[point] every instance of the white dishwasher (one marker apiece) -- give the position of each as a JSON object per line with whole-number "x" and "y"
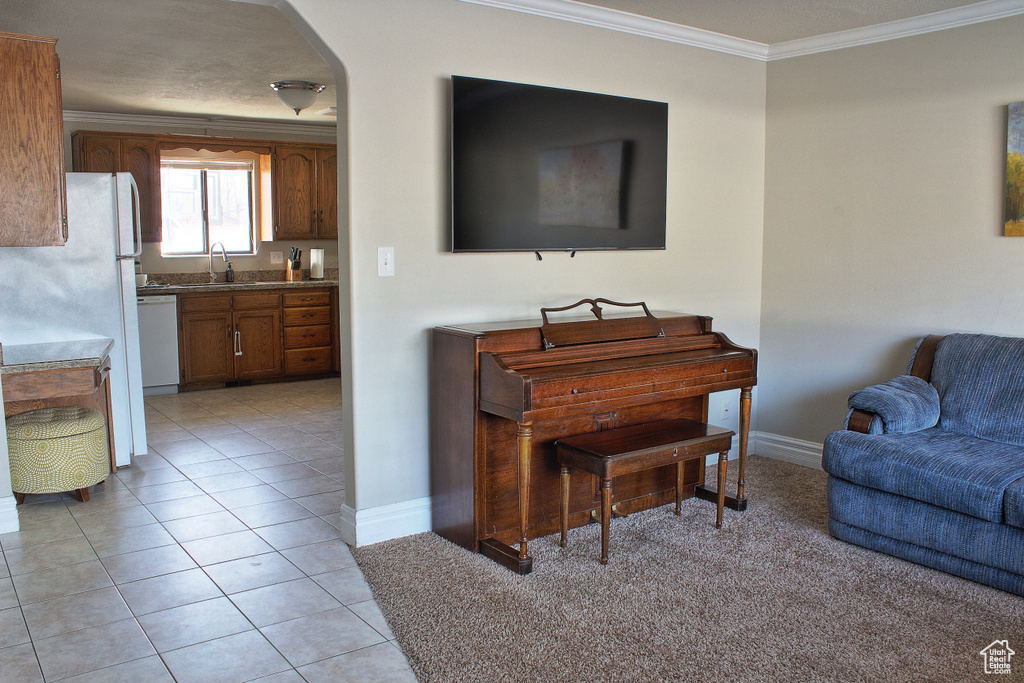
{"x": 158, "y": 339}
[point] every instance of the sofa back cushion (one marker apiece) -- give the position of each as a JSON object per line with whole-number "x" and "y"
{"x": 980, "y": 381}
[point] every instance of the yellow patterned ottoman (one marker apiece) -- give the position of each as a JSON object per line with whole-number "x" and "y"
{"x": 57, "y": 449}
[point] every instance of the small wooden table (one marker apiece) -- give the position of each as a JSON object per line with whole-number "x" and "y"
{"x": 613, "y": 452}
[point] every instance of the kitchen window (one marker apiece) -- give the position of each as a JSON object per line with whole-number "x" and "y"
{"x": 206, "y": 199}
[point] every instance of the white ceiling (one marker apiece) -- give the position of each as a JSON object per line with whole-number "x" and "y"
{"x": 215, "y": 58}
{"x": 779, "y": 21}
{"x": 206, "y": 58}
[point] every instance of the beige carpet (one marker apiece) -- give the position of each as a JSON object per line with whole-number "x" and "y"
{"x": 768, "y": 597}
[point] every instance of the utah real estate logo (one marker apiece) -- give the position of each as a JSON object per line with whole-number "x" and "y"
{"x": 997, "y": 657}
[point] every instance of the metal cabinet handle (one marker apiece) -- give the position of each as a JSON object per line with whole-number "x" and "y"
{"x": 238, "y": 343}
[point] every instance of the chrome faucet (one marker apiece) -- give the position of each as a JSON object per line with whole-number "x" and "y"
{"x": 224, "y": 255}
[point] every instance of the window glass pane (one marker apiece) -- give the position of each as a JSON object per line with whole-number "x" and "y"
{"x": 181, "y": 196}
{"x": 229, "y": 206}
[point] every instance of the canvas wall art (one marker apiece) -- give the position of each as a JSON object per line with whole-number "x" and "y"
{"x": 1015, "y": 171}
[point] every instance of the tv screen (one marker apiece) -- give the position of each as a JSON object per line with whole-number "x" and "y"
{"x": 545, "y": 169}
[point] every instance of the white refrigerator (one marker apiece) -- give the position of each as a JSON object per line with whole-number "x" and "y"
{"x": 86, "y": 289}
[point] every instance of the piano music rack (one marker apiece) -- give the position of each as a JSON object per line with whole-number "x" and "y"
{"x": 600, "y": 330}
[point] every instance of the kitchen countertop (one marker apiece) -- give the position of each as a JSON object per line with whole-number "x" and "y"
{"x": 60, "y": 354}
{"x": 153, "y": 290}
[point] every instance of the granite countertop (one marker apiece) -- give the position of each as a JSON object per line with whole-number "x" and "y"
{"x": 152, "y": 290}
{"x": 62, "y": 354}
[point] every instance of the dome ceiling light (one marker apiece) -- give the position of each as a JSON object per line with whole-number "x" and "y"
{"x": 297, "y": 95}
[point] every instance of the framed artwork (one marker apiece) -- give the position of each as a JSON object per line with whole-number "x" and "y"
{"x": 1014, "y": 226}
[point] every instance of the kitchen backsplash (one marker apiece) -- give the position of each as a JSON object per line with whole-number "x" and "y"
{"x": 276, "y": 275}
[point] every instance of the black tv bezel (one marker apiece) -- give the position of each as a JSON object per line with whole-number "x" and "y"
{"x": 560, "y": 249}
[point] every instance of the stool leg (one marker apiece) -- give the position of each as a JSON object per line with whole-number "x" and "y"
{"x": 723, "y": 459}
{"x": 82, "y": 495}
{"x": 679, "y": 488}
{"x": 565, "y": 505}
{"x": 19, "y": 498}
{"x": 606, "y": 515}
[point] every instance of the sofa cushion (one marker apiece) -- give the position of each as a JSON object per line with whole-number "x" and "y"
{"x": 1013, "y": 504}
{"x": 980, "y": 381}
{"x": 904, "y": 404}
{"x": 946, "y": 469}
{"x": 911, "y": 521}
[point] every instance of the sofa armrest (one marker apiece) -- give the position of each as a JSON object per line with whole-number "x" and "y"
{"x": 860, "y": 421}
{"x": 903, "y": 404}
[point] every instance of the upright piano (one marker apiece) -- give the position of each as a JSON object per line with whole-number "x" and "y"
{"x": 501, "y": 394}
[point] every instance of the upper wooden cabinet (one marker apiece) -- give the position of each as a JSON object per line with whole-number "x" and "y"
{"x": 305, "y": 176}
{"x": 305, "y": 192}
{"x": 121, "y": 153}
{"x": 33, "y": 212}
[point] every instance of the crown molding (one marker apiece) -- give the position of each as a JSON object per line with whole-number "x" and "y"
{"x": 616, "y": 20}
{"x": 902, "y": 28}
{"x": 191, "y": 123}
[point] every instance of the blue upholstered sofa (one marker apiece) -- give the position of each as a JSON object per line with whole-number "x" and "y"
{"x": 930, "y": 467}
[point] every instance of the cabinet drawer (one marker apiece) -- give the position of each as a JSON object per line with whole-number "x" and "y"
{"x": 307, "y": 361}
{"x": 319, "y": 315}
{"x": 196, "y": 304}
{"x": 245, "y": 302}
{"x": 306, "y": 336}
{"x": 307, "y": 298}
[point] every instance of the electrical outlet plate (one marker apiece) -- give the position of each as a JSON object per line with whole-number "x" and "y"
{"x": 276, "y": 257}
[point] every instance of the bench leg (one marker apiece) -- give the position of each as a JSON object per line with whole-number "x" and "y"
{"x": 19, "y": 498}
{"x": 723, "y": 460}
{"x": 82, "y": 495}
{"x": 565, "y": 505}
{"x": 679, "y": 488}
{"x": 606, "y": 515}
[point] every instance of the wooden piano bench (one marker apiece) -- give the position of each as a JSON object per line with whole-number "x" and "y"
{"x": 612, "y": 452}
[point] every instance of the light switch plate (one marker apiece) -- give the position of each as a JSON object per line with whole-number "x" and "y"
{"x": 276, "y": 257}
{"x": 385, "y": 261}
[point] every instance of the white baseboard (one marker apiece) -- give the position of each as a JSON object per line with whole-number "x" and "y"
{"x": 9, "y": 515}
{"x": 373, "y": 525}
{"x": 797, "y": 451}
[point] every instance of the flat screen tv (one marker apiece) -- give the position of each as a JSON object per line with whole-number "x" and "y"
{"x": 545, "y": 169}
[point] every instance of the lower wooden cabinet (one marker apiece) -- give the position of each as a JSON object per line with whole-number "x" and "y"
{"x": 265, "y": 336}
{"x": 308, "y": 333}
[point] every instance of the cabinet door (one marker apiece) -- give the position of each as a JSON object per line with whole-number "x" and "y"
{"x": 207, "y": 350}
{"x": 327, "y": 193}
{"x": 257, "y": 344}
{"x": 33, "y": 212}
{"x": 97, "y": 153}
{"x": 294, "y": 187}
{"x": 141, "y": 158}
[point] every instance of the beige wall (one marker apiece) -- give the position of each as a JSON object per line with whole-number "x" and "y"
{"x": 883, "y": 212}
{"x": 398, "y": 56}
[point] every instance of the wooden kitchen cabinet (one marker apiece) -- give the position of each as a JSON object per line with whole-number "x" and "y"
{"x": 139, "y": 155}
{"x": 224, "y": 337}
{"x": 34, "y": 210}
{"x": 308, "y": 332}
{"x": 305, "y": 192}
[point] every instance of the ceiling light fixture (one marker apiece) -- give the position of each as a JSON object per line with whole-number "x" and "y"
{"x": 297, "y": 95}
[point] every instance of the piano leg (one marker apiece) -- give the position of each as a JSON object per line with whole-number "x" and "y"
{"x": 564, "y": 521}
{"x": 739, "y": 501}
{"x": 525, "y": 433}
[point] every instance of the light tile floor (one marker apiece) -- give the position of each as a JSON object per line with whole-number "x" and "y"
{"x": 213, "y": 558}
